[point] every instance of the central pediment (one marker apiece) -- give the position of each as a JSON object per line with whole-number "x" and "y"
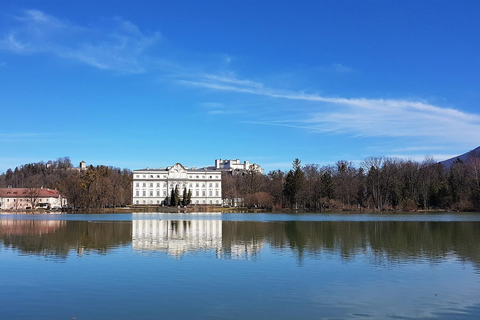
{"x": 177, "y": 171}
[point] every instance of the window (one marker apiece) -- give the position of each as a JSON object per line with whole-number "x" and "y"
{"x": 210, "y": 184}
{"x": 136, "y": 202}
{"x": 143, "y": 201}
{"x": 137, "y": 185}
{"x": 144, "y": 193}
{"x": 216, "y": 193}
{"x": 151, "y": 176}
{"x": 137, "y": 193}
{"x": 196, "y": 193}
{"x": 151, "y": 193}
{"x": 158, "y": 193}
{"x": 144, "y": 184}
{"x": 158, "y": 184}
{"x": 203, "y": 193}
{"x": 196, "y": 185}
{"x": 210, "y": 193}
{"x": 158, "y": 176}
{"x": 144, "y": 176}
{"x": 164, "y": 193}
{"x": 151, "y": 185}
{"x": 216, "y": 185}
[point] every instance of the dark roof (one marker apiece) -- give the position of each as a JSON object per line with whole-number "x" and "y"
{"x": 25, "y": 192}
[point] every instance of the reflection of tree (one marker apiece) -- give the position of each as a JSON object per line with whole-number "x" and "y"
{"x": 381, "y": 241}
{"x": 80, "y": 236}
{"x": 389, "y": 241}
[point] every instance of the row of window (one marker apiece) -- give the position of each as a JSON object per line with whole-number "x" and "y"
{"x": 158, "y": 176}
{"x": 21, "y": 200}
{"x": 182, "y": 185}
{"x": 164, "y": 193}
{"x": 196, "y": 202}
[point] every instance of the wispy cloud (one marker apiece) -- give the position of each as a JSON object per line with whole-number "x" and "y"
{"x": 15, "y": 137}
{"x": 361, "y": 117}
{"x": 337, "y": 68}
{"x": 116, "y": 44}
{"x": 119, "y": 45}
{"x": 217, "y": 108}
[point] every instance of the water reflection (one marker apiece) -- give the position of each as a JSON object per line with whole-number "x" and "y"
{"x": 21, "y": 227}
{"x": 381, "y": 242}
{"x": 300, "y": 269}
{"x": 58, "y": 238}
{"x": 177, "y": 237}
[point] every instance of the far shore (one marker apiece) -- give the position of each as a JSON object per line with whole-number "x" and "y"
{"x": 212, "y": 209}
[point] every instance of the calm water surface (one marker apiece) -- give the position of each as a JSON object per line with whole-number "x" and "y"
{"x": 240, "y": 266}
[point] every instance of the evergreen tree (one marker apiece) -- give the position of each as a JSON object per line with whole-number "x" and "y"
{"x": 327, "y": 190}
{"x": 189, "y": 198}
{"x": 294, "y": 182}
{"x": 185, "y": 197}
{"x": 172, "y": 198}
{"x": 177, "y": 196}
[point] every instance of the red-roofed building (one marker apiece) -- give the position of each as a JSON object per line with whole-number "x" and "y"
{"x": 31, "y": 198}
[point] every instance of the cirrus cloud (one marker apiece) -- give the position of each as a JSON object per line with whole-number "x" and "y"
{"x": 117, "y": 45}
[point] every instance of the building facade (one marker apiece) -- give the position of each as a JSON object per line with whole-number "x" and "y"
{"x": 236, "y": 166}
{"x": 154, "y": 186}
{"x": 31, "y": 198}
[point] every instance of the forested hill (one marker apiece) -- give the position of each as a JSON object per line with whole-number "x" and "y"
{"x": 98, "y": 187}
{"x": 379, "y": 183}
{"x": 475, "y": 153}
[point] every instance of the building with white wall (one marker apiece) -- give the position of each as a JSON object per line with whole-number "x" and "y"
{"x": 154, "y": 186}
{"x": 236, "y": 165}
{"x": 31, "y": 198}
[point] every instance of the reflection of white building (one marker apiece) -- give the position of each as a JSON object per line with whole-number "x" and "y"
{"x": 154, "y": 186}
{"x": 246, "y": 250}
{"x": 177, "y": 237}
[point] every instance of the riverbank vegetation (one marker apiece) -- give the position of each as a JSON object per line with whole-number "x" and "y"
{"x": 377, "y": 184}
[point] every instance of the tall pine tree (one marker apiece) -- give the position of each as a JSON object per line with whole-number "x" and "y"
{"x": 294, "y": 183}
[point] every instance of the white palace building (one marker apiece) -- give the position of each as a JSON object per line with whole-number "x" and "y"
{"x": 154, "y": 186}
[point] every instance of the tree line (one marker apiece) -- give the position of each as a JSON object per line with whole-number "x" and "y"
{"x": 378, "y": 184}
{"x": 96, "y": 187}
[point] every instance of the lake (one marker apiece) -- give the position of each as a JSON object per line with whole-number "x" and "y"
{"x": 240, "y": 266}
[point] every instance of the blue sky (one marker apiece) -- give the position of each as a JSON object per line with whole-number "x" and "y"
{"x": 152, "y": 83}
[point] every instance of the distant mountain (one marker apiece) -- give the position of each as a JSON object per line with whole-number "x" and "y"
{"x": 473, "y": 153}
